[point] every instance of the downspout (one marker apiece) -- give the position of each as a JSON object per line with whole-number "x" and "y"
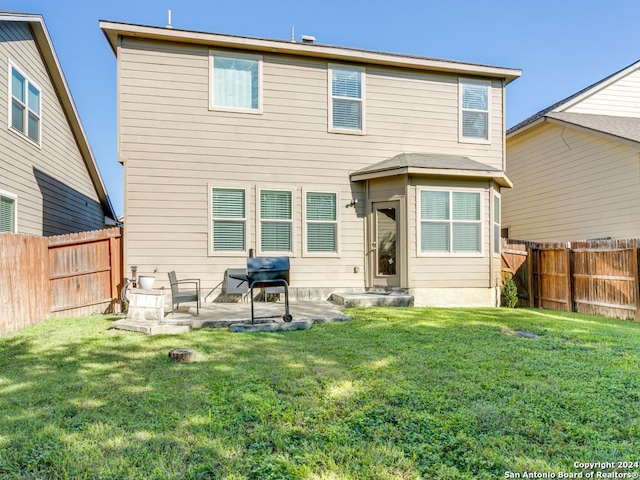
{"x": 491, "y": 235}
{"x": 504, "y": 127}
{"x": 125, "y": 165}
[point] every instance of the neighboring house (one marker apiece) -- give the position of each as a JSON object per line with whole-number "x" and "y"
{"x": 49, "y": 181}
{"x": 368, "y": 169}
{"x": 575, "y": 166}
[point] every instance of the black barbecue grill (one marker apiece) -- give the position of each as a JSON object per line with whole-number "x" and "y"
{"x": 268, "y": 272}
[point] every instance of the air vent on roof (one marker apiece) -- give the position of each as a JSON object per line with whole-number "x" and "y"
{"x": 308, "y": 39}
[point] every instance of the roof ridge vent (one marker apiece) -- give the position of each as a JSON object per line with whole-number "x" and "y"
{"x": 308, "y": 39}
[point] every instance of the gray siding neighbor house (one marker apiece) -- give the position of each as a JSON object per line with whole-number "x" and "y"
{"x": 575, "y": 166}
{"x": 369, "y": 170}
{"x": 49, "y": 181}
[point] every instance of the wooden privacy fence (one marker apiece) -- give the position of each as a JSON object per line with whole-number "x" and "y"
{"x": 68, "y": 275}
{"x": 598, "y": 277}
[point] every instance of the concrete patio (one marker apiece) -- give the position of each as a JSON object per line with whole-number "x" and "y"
{"x": 220, "y": 315}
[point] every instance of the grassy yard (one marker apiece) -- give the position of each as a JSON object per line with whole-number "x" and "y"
{"x": 396, "y": 393}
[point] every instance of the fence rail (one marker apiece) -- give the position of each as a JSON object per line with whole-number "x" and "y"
{"x": 597, "y": 277}
{"x": 67, "y": 275}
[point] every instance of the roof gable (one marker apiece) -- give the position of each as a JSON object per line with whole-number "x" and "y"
{"x": 50, "y": 59}
{"x": 573, "y": 100}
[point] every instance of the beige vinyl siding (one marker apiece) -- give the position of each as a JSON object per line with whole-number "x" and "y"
{"x": 450, "y": 271}
{"x": 621, "y": 98}
{"x": 54, "y": 189}
{"x": 570, "y": 185}
{"x": 173, "y": 146}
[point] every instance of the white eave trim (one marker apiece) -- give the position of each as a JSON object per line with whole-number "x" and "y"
{"x": 113, "y": 30}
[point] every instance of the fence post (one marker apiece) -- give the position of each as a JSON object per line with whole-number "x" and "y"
{"x": 569, "y": 279}
{"x": 539, "y": 276}
{"x": 532, "y": 300}
{"x": 112, "y": 274}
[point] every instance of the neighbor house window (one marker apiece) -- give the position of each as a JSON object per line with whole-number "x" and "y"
{"x": 228, "y": 220}
{"x": 496, "y": 225}
{"x": 321, "y": 222}
{"x": 236, "y": 82}
{"x": 346, "y": 99}
{"x": 25, "y": 108}
{"x": 8, "y": 207}
{"x": 276, "y": 221}
{"x": 474, "y": 110}
{"x": 450, "y": 222}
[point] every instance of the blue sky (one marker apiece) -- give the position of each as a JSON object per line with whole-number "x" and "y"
{"x": 562, "y": 46}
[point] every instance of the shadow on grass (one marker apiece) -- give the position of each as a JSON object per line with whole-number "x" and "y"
{"x": 393, "y": 394}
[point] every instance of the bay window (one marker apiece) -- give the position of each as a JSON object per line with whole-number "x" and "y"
{"x": 450, "y": 222}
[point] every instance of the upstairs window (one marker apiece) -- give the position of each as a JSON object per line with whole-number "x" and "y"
{"x": 276, "y": 221}
{"x": 321, "y": 223}
{"x": 7, "y": 212}
{"x": 24, "y": 111}
{"x": 228, "y": 220}
{"x": 450, "y": 222}
{"x": 346, "y": 102}
{"x": 474, "y": 111}
{"x": 235, "y": 82}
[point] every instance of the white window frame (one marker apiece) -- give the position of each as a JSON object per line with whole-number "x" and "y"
{"x": 498, "y": 224}
{"x": 363, "y": 99}
{"x": 336, "y": 222}
{"x": 210, "y": 250}
{"x": 243, "y": 56}
{"x": 14, "y": 197}
{"x": 28, "y": 81}
{"x": 451, "y": 253}
{"x": 259, "y": 221}
{"x": 461, "y": 137}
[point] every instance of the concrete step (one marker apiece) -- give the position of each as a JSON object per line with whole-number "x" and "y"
{"x": 373, "y": 299}
{"x": 149, "y": 327}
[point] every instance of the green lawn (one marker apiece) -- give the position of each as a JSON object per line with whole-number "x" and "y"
{"x": 395, "y": 393}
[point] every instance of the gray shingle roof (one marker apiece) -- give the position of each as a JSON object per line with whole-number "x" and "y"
{"x": 627, "y": 128}
{"x": 427, "y": 160}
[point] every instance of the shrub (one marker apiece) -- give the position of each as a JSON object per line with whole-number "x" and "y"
{"x": 509, "y": 290}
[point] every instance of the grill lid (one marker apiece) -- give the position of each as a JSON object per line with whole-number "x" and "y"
{"x": 268, "y": 268}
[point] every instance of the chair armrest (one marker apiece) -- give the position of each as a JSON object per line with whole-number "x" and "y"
{"x": 183, "y": 282}
{"x": 188, "y": 280}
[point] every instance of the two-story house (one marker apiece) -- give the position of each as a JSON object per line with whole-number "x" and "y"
{"x": 49, "y": 180}
{"x": 368, "y": 169}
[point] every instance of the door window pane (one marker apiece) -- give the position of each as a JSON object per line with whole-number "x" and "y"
{"x": 386, "y": 240}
